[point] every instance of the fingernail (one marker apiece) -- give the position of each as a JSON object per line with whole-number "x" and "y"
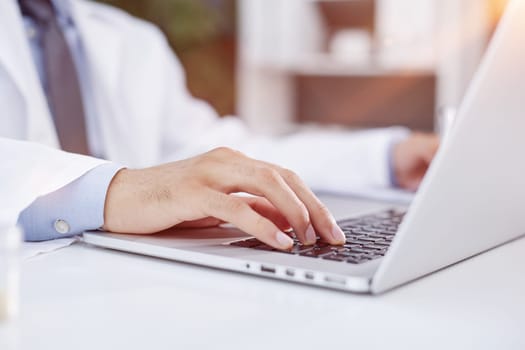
{"x": 337, "y": 233}
{"x": 310, "y": 235}
{"x": 283, "y": 240}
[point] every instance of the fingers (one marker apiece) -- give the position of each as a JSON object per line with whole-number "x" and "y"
{"x": 286, "y": 192}
{"x": 236, "y": 211}
{"x": 266, "y": 209}
{"x": 321, "y": 218}
{"x": 260, "y": 205}
{"x": 264, "y": 181}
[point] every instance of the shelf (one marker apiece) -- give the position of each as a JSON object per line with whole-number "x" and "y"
{"x": 327, "y": 65}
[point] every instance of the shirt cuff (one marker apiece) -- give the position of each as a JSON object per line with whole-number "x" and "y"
{"x": 391, "y": 162}
{"x": 391, "y": 166}
{"x": 76, "y": 207}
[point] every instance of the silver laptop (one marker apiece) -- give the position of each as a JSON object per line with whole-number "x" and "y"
{"x": 471, "y": 200}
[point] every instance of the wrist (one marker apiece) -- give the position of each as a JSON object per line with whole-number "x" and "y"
{"x": 116, "y": 200}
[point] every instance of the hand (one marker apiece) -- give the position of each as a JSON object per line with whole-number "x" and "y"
{"x": 412, "y": 158}
{"x": 200, "y": 191}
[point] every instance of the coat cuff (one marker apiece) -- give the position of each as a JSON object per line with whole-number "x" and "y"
{"x": 381, "y": 144}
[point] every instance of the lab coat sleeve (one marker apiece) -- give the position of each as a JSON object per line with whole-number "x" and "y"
{"x": 30, "y": 170}
{"x": 328, "y": 160}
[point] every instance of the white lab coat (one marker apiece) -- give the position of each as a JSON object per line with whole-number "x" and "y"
{"x": 147, "y": 115}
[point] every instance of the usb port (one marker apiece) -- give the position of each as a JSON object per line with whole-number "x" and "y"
{"x": 309, "y": 275}
{"x": 267, "y": 269}
{"x": 335, "y": 280}
{"x": 290, "y": 273}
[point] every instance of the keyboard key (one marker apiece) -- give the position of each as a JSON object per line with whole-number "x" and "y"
{"x": 351, "y": 255}
{"x": 377, "y": 246}
{"x": 339, "y": 248}
{"x": 310, "y": 254}
{"x": 374, "y": 256}
{"x": 249, "y": 243}
{"x": 360, "y": 231}
{"x": 377, "y": 235}
{"x": 301, "y": 249}
{"x": 264, "y": 247}
{"x": 370, "y": 229}
{"x": 360, "y": 250}
{"x": 352, "y": 245}
{"x": 323, "y": 251}
{"x": 369, "y": 239}
{"x": 335, "y": 257}
{"x": 359, "y": 241}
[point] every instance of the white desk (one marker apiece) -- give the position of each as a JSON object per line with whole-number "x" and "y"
{"x": 83, "y": 297}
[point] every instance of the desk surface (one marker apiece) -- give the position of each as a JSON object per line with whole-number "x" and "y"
{"x": 84, "y": 297}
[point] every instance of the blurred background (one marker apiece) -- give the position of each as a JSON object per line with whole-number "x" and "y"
{"x": 358, "y": 63}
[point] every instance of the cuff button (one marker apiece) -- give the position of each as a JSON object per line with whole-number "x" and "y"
{"x": 62, "y": 227}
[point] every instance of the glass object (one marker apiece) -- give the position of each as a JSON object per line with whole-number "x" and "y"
{"x": 9, "y": 272}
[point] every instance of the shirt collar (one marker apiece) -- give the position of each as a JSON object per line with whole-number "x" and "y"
{"x": 63, "y": 10}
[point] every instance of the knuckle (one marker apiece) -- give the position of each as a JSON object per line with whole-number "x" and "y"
{"x": 217, "y": 155}
{"x": 321, "y": 208}
{"x": 224, "y": 151}
{"x": 220, "y": 152}
{"x": 269, "y": 175}
{"x": 291, "y": 176}
{"x": 234, "y": 205}
{"x": 301, "y": 215}
{"x": 245, "y": 170}
{"x": 322, "y": 211}
{"x": 205, "y": 158}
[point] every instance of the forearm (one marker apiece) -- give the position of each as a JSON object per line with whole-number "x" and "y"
{"x": 328, "y": 160}
{"x": 72, "y": 209}
{"x": 336, "y": 160}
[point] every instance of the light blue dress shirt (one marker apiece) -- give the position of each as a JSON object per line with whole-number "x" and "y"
{"x": 78, "y": 206}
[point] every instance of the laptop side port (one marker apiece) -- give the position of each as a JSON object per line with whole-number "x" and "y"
{"x": 335, "y": 280}
{"x": 290, "y": 272}
{"x": 267, "y": 269}
{"x": 309, "y": 275}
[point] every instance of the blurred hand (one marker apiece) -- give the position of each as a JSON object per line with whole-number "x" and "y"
{"x": 197, "y": 192}
{"x": 412, "y": 158}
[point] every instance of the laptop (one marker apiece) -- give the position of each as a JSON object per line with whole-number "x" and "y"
{"x": 471, "y": 199}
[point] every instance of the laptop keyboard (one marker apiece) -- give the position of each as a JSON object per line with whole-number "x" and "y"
{"x": 367, "y": 238}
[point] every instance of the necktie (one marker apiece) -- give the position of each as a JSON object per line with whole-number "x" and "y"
{"x": 64, "y": 95}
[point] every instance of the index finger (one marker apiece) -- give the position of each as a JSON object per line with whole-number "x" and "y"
{"x": 321, "y": 218}
{"x": 239, "y": 213}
